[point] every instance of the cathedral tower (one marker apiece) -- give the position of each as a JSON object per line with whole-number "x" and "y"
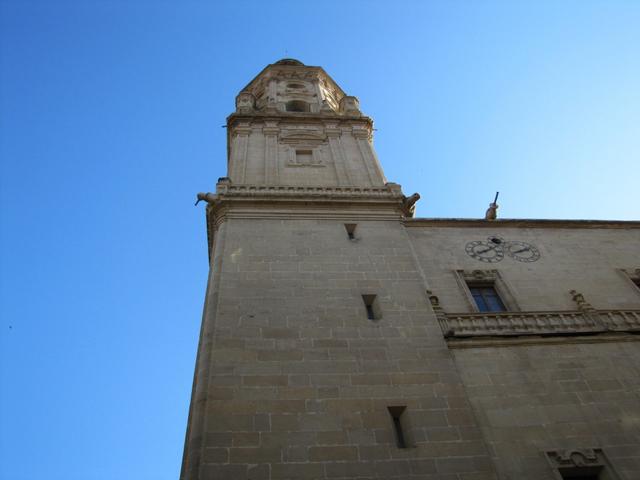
{"x": 320, "y": 355}
{"x": 344, "y": 339}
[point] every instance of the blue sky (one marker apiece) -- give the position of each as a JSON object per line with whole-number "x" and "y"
{"x": 110, "y": 122}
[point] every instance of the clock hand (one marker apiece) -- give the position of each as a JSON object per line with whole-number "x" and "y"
{"x": 523, "y": 250}
{"x": 485, "y": 250}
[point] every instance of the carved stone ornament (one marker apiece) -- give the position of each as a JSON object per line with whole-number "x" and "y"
{"x": 410, "y": 202}
{"x": 245, "y": 102}
{"x": 309, "y": 137}
{"x": 574, "y": 458}
{"x": 435, "y": 301}
{"x": 480, "y": 275}
{"x": 581, "y": 462}
{"x": 349, "y": 105}
{"x": 580, "y": 301}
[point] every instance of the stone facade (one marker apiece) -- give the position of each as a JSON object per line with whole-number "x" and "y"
{"x": 341, "y": 339}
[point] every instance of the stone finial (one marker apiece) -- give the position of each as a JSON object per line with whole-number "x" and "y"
{"x": 350, "y": 105}
{"x": 582, "y": 304}
{"x": 492, "y": 211}
{"x": 435, "y": 301}
{"x": 245, "y": 102}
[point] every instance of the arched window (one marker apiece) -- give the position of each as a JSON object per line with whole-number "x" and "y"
{"x": 297, "y": 106}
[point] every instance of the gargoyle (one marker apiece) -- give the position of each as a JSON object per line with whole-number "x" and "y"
{"x": 207, "y": 197}
{"x": 409, "y": 202}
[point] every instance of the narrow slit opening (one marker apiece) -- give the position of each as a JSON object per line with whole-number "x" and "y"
{"x": 370, "y": 314}
{"x": 351, "y": 230}
{"x": 371, "y": 306}
{"x": 396, "y": 416}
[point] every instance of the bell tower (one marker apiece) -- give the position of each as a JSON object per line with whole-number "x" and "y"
{"x": 320, "y": 355}
{"x": 295, "y": 126}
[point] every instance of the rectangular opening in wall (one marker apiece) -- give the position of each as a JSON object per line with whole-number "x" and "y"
{"x": 581, "y": 464}
{"x": 304, "y": 157}
{"x": 351, "y": 230}
{"x": 371, "y": 305}
{"x": 587, "y": 473}
{"x": 487, "y": 298}
{"x": 398, "y": 429}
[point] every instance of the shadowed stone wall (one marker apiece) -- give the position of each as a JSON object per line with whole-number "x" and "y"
{"x": 301, "y": 380}
{"x": 532, "y": 399}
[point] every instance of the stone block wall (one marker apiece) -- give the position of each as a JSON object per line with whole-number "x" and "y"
{"x": 300, "y": 383}
{"x": 531, "y": 399}
{"x": 547, "y": 393}
{"x": 583, "y": 259}
{"x": 301, "y": 380}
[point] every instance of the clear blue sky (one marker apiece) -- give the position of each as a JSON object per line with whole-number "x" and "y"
{"x": 110, "y": 123}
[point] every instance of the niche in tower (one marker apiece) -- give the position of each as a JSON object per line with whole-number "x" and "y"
{"x": 297, "y": 106}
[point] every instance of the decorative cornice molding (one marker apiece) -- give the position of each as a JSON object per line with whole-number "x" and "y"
{"x": 385, "y": 203}
{"x": 545, "y": 323}
{"x": 286, "y": 117}
{"x": 492, "y": 342}
{"x": 580, "y": 463}
{"x": 519, "y": 223}
{"x": 307, "y": 191}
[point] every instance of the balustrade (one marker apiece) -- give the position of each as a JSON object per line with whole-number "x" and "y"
{"x": 538, "y": 323}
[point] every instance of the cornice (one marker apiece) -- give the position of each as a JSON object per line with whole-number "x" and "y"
{"x": 292, "y": 211}
{"x": 384, "y": 203}
{"x": 520, "y": 223}
{"x": 390, "y": 190}
{"x": 260, "y": 197}
{"x": 241, "y": 123}
{"x": 492, "y": 342}
{"x": 294, "y": 118}
{"x": 344, "y": 208}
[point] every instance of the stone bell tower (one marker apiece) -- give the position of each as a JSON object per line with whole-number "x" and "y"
{"x": 294, "y": 126}
{"x": 320, "y": 355}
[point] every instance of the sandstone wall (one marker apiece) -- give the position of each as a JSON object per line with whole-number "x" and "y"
{"x": 301, "y": 380}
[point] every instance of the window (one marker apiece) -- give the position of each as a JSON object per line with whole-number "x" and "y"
{"x": 486, "y": 291}
{"x": 487, "y": 299}
{"x": 304, "y": 157}
{"x": 398, "y": 430}
{"x": 351, "y": 230}
{"x": 297, "y": 106}
{"x": 372, "y": 307}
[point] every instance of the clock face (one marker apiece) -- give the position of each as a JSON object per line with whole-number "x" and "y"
{"x": 494, "y": 249}
{"x": 523, "y": 252}
{"x": 488, "y": 252}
